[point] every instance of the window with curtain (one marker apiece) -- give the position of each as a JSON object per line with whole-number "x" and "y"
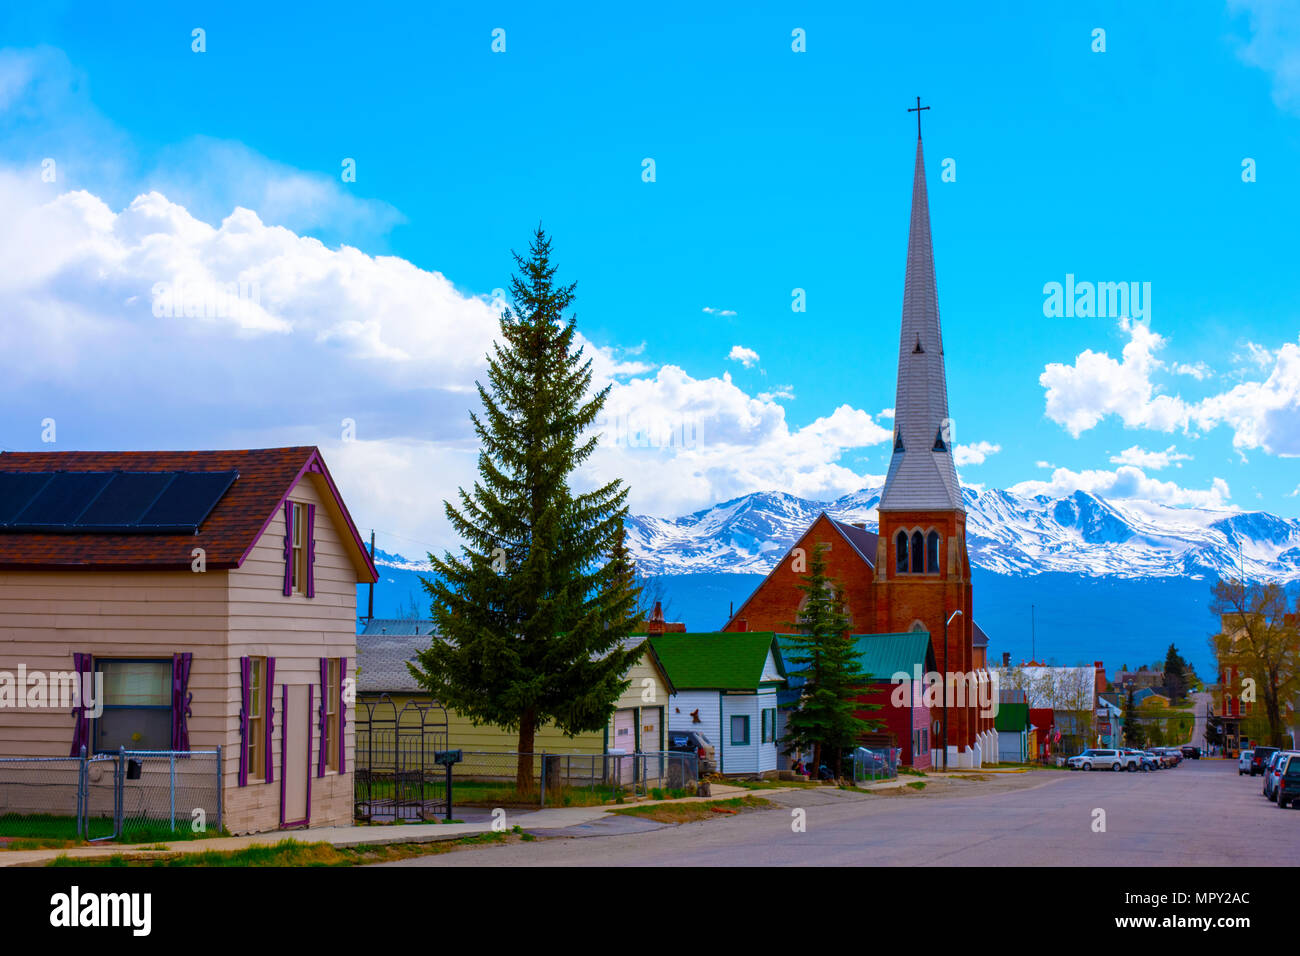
{"x": 257, "y": 718}
{"x": 332, "y": 714}
{"x": 740, "y": 729}
{"x": 137, "y": 705}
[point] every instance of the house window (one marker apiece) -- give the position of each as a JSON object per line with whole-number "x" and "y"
{"x": 299, "y": 548}
{"x": 332, "y": 714}
{"x": 932, "y": 553}
{"x": 740, "y": 729}
{"x": 769, "y": 724}
{"x": 256, "y": 717}
{"x": 137, "y": 706}
{"x": 918, "y": 553}
{"x": 900, "y": 549}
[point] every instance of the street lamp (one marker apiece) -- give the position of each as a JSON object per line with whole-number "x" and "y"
{"x": 945, "y": 686}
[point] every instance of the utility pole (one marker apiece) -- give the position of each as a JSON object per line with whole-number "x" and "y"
{"x": 370, "y": 609}
{"x": 946, "y": 684}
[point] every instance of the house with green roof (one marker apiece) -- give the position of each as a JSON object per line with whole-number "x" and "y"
{"x": 725, "y": 687}
{"x": 1013, "y": 727}
{"x": 897, "y": 665}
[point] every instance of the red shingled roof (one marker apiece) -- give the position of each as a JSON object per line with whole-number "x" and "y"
{"x": 266, "y": 475}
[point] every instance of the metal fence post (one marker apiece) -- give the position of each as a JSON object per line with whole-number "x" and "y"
{"x": 171, "y": 759}
{"x": 220, "y": 795}
{"x": 119, "y": 791}
{"x": 83, "y": 795}
{"x": 543, "y": 790}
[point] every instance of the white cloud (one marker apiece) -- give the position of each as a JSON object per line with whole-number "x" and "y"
{"x": 1125, "y": 482}
{"x": 712, "y": 311}
{"x": 1262, "y": 414}
{"x": 974, "y": 454}
{"x": 746, "y": 357}
{"x": 1043, "y": 464}
{"x": 885, "y": 413}
{"x": 1273, "y": 45}
{"x": 780, "y": 392}
{"x": 1200, "y": 371}
{"x": 1141, "y": 458}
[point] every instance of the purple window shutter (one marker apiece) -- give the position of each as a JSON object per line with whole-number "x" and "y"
{"x": 343, "y": 718}
{"x": 270, "y": 719}
{"x": 245, "y": 678}
{"x": 181, "y": 700}
{"x": 309, "y": 542}
{"x": 81, "y": 663}
{"x": 324, "y": 716}
{"x": 288, "y": 549}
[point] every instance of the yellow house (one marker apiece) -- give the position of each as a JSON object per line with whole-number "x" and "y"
{"x": 637, "y": 725}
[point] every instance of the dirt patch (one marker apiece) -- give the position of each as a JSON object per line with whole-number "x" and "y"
{"x": 700, "y": 810}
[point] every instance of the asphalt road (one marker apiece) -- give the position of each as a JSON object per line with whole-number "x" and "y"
{"x": 1199, "y": 813}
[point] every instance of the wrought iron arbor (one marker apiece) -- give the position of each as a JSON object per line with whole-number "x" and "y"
{"x": 403, "y": 765}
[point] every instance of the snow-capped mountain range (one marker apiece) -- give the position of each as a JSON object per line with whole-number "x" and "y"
{"x": 1008, "y": 534}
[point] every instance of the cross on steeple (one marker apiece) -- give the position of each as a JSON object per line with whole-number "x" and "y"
{"x": 917, "y": 110}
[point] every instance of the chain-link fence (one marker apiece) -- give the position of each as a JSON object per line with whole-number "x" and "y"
{"x": 871, "y": 765}
{"x": 135, "y": 796}
{"x": 491, "y": 779}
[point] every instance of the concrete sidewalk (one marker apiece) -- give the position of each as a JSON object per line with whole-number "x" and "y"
{"x": 532, "y": 821}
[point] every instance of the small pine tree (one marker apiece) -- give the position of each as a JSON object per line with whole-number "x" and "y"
{"x": 534, "y": 609}
{"x": 1133, "y": 733}
{"x": 1175, "y": 674}
{"x": 822, "y": 654}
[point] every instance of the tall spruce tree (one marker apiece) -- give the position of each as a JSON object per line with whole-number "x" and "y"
{"x": 1175, "y": 674}
{"x": 532, "y": 612}
{"x": 1134, "y": 735}
{"x": 823, "y": 656}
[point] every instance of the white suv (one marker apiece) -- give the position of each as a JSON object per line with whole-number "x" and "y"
{"x": 1101, "y": 760}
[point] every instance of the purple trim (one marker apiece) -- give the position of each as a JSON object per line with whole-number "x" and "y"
{"x": 269, "y": 728}
{"x": 181, "y": 700}
{"x": 324, "y": 717}
{"x": 315, "y": 465}
{"x": 284, "y": 755}
{"x": 343, "y": 718}
{"x": 82, "y": 664}
{"x": 309, "y": 542}
{"x": 288, "y": 548}
{"x": 245, "y": 677}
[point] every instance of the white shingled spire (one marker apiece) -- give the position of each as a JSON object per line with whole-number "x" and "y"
{"x": 921, "y": 476}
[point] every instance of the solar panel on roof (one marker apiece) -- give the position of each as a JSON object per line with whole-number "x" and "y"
{"x": 188, "y": 500}
{"x": 127, "y": 497}
{"x": 16, "y": 490}
{"x": 163, "y": 502}
{"x": 63, "y": 499}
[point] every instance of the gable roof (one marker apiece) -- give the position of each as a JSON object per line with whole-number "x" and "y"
{"x": 227, "y": 534}
{"x": 716, "y": 661}
{"x": 387, "y": 645}
{"x": 861, "y": 541}
{"x": 978, "y": 638}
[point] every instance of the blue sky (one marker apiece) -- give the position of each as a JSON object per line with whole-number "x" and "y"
{"x": 775, "y": 170}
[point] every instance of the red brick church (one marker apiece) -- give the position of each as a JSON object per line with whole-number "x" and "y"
{"x": 915, "y": 574}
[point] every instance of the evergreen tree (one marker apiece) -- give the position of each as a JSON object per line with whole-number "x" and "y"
{"x": 1175, "y": 674}
{"x": 532, "y": 612}
{"x": 823, "y": 656}
{"x": 1133, "y": 733}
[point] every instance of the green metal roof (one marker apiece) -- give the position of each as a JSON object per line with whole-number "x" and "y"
{"x": 881, "y": 656}
{"x": 718, "y": 661}
{"x": 1012, "y": 718}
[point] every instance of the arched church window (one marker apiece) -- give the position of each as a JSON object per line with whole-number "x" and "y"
{"x": 900, "y": 559}
{"x": 932, "y": 552}
{"x": 918, "y": 553}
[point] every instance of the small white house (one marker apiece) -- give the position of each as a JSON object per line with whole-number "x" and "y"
{"x": 726, "y": 685}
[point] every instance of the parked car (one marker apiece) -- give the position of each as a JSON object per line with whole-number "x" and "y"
{"x": 1243, "y": 762}
{"x": 1135, "y": 760}
{"x": 1272, "y": 770}
{"x": 1259, "y": 758}
{"x": 1288, "y": 783}
{"x": 1189, "y": 751}
{"x": 1092, "y": 759}
{"x": 1150, "y": 761}
{"x": 692, "y": 741}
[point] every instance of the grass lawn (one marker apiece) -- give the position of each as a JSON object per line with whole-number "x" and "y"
{"x": 293, "y": 853}
{"x": 40, "y": 831}
{"x": 701, "y": 810}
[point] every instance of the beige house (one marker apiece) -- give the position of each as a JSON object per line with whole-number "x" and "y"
{"x": 212, "y": 596}
{"x": 638, "y": 724}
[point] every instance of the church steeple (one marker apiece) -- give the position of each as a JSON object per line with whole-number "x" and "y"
{"x": 922, "y": 476}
